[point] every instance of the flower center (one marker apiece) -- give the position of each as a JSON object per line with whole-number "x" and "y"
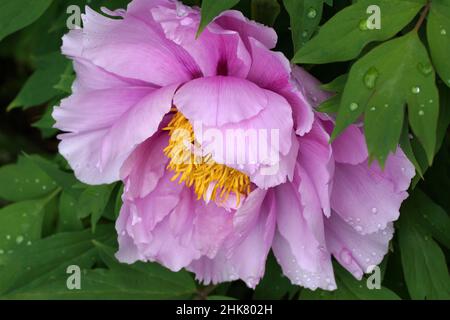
{"x": 209, "y": 179}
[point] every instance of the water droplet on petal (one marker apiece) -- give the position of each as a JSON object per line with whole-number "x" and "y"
{"x": 374, "y": 210}
{"x": 370, "y": 78}
{"x": 359, "y": 229}
{"x": 346, "y": 256}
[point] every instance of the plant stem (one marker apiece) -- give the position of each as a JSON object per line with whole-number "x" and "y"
{"x": 423, "y": 15}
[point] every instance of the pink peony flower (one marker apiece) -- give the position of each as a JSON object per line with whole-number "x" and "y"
{"x": 143, "y": 84}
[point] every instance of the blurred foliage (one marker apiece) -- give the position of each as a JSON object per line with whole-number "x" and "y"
{"x": 49, "y": 220}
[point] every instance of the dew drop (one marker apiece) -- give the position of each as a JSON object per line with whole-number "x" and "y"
{"x": 44, "y": 187}
{"x": 19, "y": 239}
{"x": 312, "y": 13}
{"x": 2, "y": 251}
{"x": 346, "y": 256}
{"x": 8, "y": 237}
{"x": 37, "y": 180}
{"x": 359, "y": 228}
{"x": 425, "y": 68}
{"x": 305, "y": 34}
{"x": 374, "y": 210}
{"x": 29, "y": 243}
{"x": 421, "y": 113}
{"x": 443, "y": 32}
{"x": 363, "y": 25}
{"x": 415, "y": 90}
{"x": 353, "y": 106}
{"x": 370, "y": 78}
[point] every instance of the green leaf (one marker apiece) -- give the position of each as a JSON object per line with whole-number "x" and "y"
{"x": 63, "y": 179}
{"x": 213, "y": 8}
{"x": 305, "y": 16}
{"x": 438, "y": 34}
{"x": 15, "y": 15}
{"x": 349, "y": 289}
{"x": 138, "y": 281}
{"x": 20, "y": 224}
{"x": 423, "y": 261}
{"x": 331, "y": 105}
{"x": 393, "y": 74}
{"x": 36, "y": 265}
{"x": 345, "y": 35}
{"x": 40, "y": 87}
{"x": 66, "y": 80}
{"x": 265, "y": 11}
{"x": 431, "y": 217}
{"x": 93, "y": 201}
{"x": 24, "y": 181}
{"x": 45, "y": 124}
{"x": 68, "y": 219}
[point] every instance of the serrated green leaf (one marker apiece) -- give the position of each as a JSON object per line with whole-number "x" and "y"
{"x": 305, "y": 16}
{"x": 24, "y": 181}
{"x": 424, "y": 264}
{"x": 381, "y": 83}
{"x": 213, "y": 8}
{"x": 349, "y": 289}
{"x": 438, "y": 34}
{"x": 45, "y": 124}
{"x": 345, "y": 35}
{"x": 15, "y": 15}
{"x": 40, "y": 87}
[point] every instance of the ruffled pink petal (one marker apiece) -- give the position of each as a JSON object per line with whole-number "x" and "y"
{"x": 368, "y": 198}
{"x": 131, "y": 48}
{"x": 217, "y": 52}
{"x": 299, "y": 243}
{"x": 260, "y": 146}
{"x": 355, "y": 252}
{"x": 317, "y": 159}
{"x": 253, "y": 229}
{"x": 106, "y": 125}
{"x": 236, "y": 21}
{"x": 145, "y": 166}
{"x": 350, "y": 146}
{"x": 216, "y": 101}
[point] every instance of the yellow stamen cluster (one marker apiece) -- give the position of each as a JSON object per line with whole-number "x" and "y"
{"x": 200, "y": 171}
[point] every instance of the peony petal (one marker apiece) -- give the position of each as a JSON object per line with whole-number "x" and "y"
{"x": 216, "y": 101}
{"x": 316, "y": 158}
{"x": 131, "y": 48}
{"x": 254, "y": 225}
{"x": 356, "y": 252}
{"x": 350, "y": 146}
{"x": 299, "y": 243}
{"x": 235, "y": 20}
{"x": 218, "y": 52}
{"x": 366, "y": 197}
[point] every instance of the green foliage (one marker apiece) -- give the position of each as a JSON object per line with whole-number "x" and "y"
{"x": 438, "y": 34}
{"x": 265, "y": 11}
{"x": 424, "y": 263}
{"x": 212, "y": 8}
{"x": 345, "y": 35}
{"x": 349, "y": 289}
{"x": 380, "y": 84}
{"x": 305, "y": 18}
{"x": 15, "y": 15}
